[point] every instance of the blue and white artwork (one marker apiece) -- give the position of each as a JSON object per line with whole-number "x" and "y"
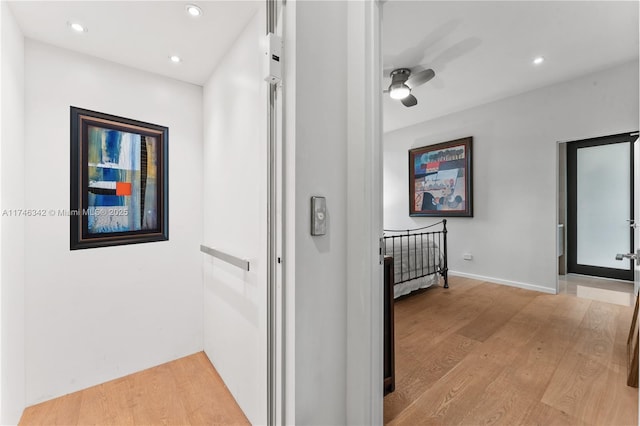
{"x": 122, "y": 181}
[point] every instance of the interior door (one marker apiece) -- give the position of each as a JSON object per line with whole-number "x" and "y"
{"x": 600, "y": 189}
{"x": 635, "y": 223}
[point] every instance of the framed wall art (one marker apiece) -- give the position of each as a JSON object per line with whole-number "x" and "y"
{"x": 441, "y": 179}
{"x": 119, "y": 180}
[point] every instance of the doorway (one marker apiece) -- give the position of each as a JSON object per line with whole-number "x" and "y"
{"x": 600, "y": 206}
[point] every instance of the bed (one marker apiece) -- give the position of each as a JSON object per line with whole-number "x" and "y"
{"x": 419, "y": 257}
{"x": 413, "y": 259}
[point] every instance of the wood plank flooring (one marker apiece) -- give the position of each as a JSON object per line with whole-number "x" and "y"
{"x": 482, "y": 353}
{"x": 187, "y": 391}
{"x": 477, "y": 353}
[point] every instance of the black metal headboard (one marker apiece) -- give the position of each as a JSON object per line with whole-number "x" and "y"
{"x": 416, "y": 240}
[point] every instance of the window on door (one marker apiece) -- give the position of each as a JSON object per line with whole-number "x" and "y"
{"x": 600, "y": 206}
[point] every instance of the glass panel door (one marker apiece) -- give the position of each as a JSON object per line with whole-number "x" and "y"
{"x": 603, "y": 204}
{"x": 600, "y": 206}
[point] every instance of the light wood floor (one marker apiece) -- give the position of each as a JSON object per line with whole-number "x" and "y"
{"x": 477, "y": 353}
{"x": 481, "y": 353}
{"x": 187, "y": 391}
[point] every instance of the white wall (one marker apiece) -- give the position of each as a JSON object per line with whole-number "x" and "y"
{"x": 97, "y": 314}
{"x": 333, "y": 149}
{"x": 512, "y": 235}
{"x": 320, "y": 170}
{"x": 235, "y": 220}
{"x": 12, "y": 368}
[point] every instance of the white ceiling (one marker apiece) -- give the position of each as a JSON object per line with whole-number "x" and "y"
{"x": 482, "y": 51}
{"x": 141, "y": 34}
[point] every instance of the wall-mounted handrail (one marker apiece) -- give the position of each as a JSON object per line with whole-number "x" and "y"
{"x": 235, "y": 261}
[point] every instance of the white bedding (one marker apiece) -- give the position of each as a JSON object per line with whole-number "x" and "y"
{"x": 410, "y": 256}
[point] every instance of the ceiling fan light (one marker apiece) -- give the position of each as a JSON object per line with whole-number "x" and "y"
{"x": 399, "y": 91}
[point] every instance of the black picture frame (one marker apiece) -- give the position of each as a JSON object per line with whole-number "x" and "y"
{"x": 441, "y": 179}
{"x": 119, "y": 181}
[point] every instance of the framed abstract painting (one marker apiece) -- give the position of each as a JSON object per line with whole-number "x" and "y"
{"x": 441, "y": 179}
{"x": 119, "y": 180}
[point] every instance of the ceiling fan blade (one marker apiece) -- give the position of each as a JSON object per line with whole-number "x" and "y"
{"x": 409, "y": 101}
{"x": 420, "y": 78}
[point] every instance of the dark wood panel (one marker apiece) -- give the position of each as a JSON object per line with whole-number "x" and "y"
{"x": 632, "y": 350}
{"x": 389, "y": 340}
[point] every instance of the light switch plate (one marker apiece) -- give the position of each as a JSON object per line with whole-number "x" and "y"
{"x": 318, "y": 216}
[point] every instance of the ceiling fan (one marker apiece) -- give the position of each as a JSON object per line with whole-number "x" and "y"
{"x": 402, "y": 82}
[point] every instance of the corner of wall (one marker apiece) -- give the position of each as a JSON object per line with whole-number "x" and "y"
{"x": 12, "y": 320}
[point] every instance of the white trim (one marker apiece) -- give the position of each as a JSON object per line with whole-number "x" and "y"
{"x": 278, "y": 245}
{"x": 288, "y": 220}
{"x": 364, "y": 375}
{"x": 510, "y": 283}
{"x": 2, "y": 10}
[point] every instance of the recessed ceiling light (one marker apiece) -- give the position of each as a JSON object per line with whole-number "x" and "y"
{"x": 193, "y": 10}
{"x": 175, "y": 59}
{"x": 77, "y": 27}
{"x": 538, "y": 60}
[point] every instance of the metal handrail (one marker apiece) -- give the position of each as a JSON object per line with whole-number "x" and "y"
{"x": 233, "y": 260}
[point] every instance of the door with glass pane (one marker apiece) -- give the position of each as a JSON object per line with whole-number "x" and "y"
{"x": 600, "y": 206}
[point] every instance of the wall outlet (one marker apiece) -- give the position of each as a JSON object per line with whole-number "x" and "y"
{"x": 467, "y": 256}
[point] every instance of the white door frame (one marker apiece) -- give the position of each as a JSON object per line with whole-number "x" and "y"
{"x": 275, "y": 239}
{"x": 364, "y": 367}
{"x": 364, "y": 216}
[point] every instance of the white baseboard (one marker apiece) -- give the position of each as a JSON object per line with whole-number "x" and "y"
{"x": 504, "y": 282}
